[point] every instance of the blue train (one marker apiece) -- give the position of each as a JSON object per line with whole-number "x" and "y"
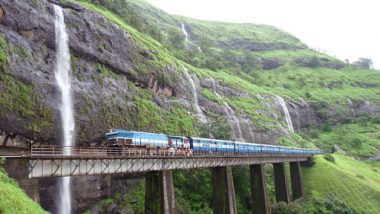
{"x": 123, "y": 138}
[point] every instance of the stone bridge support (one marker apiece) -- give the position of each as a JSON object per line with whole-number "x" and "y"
{"x": 260, "y": 202}
{"x": 296, "y": 180}
{"x": 223, "y": 192}
{"x": 280, "y": 182}
{"x": 159, "y": 193}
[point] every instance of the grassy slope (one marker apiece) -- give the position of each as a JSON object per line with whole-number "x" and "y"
{"x": 356, "y": 138}
{"x": 16, "y": 201}
{"x": 315, "y": 85}
{"x": 355, "y": 182}
{"x": 318, "y": 86}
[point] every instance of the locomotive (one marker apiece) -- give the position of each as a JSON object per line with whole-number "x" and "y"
{"x": 136, "y": 139}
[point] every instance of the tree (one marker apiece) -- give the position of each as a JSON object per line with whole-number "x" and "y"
{"x": 363, "y": 63}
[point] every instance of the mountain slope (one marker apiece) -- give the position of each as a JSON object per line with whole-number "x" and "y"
{"x": 356, "y": 183}
{"x": 13, "y": 199}
{"x": 149, "y": 61}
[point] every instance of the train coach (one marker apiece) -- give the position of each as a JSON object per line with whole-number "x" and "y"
{"x": 124, "y": 138}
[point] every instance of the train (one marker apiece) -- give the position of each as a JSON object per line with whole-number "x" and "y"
{"x": 123, "y": 138}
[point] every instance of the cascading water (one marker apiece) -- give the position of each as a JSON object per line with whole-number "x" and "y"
{"x": 288, "y": 119}
{"x": 62, "y": 76}
{"x": 230, "y": 113}
{"x": 184, "y": 32}
{"x": 202, "y": 117}
{"x": 250, "y": 131}
{"x": 187, "y": 36}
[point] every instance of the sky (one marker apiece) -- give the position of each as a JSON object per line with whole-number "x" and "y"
{"x": 346, "y": 29}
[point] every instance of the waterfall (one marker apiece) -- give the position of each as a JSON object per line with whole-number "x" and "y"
{"x": 250, "y": 131}
{"x": 230, "y": 113}
{"x": 62, "y": 76}
{"x": 288, "y": 119}
{"x": 184, "y": 32}
{"x": 187, "y": 36}
{"x": 194, "y": 92}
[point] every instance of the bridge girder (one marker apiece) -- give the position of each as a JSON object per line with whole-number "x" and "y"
{"x": 58, "y": 167}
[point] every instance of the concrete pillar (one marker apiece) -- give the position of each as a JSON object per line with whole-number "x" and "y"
{"x": 308, "y": 163}
{"x": 223, "y": 192}
{"x": 296, "y": 179}
{"x": 159, "y": 193}
{"x": 260, "y": 202}
{"x": 280, "y": 182}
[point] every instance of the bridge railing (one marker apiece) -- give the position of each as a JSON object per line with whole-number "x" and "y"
{"x": 111, "y": 152}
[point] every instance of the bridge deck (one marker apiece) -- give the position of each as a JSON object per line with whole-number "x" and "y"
{"x": 76, "y": 161}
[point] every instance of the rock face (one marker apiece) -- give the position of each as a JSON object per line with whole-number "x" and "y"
{"x": 256, "y": 45}
{"x": 108, "y": 69}
{"x": 98, "y": 47}
{"x": 87, "y": 191}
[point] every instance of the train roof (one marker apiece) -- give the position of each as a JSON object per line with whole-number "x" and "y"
{"x": 175, "y": 136}
{"x": 135, "y": 132}
{"x": 210, "y": 139}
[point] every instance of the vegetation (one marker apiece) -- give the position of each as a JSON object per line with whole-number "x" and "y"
{"x": 358, "y": 138}
{"x": 16, "y": 201}
{"x": 354, "y": 182}
{"x": 231, "y": 55}
{"x": 363, "y": 63}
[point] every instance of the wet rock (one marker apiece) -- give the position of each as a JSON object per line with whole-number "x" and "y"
{"x": 271, "y": 63}
{"x": 256, "y": 45}
{"x": 311, "y": 62}
{"x": 28, "y": 34}
{"x": 1, "y": 13}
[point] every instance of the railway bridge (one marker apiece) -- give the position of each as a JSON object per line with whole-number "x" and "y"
{"x": 53, "y": 161}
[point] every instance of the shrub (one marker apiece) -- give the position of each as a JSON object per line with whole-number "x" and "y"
{"x": 326, "y": 127}
{"x": 313, "y": 133}
{"x": 284, "y": 208}
{"x": 329, "y": 157}
{"x": 360, "y": 176}
{"x": 2, "y": 164}
{"x": 356, "y": 142}
{"x": 335, "y": 205}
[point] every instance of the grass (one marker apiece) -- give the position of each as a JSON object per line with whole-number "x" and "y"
{"x": 359, "y": 139}
{"x": 354, "y": 182}
{"x": 14, "y": 200}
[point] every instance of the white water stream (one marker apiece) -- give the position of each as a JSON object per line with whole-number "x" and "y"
{"x": 250, "y": 131}
{"x": 194, "y": 92}
{"x": 288, "y": 119}
{"x": 62, "y": 76}
{"x": 187, "y": 36}
{"x": 184, "y": 32}
{"x": 230, "y": 113}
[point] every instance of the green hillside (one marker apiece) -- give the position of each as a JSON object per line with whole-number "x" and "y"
{"x": 16, "y": 201}
{"x": 354, "y": 182}
{"x": 301, "y": 72}
{"x": 265, "y": 61}
{"x": 358, "y": 138}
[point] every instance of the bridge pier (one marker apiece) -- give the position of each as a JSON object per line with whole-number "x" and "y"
{"x": 260, "y": 202}
{"x": 308, "y": 163}
{"x": 159, "y": 193}
{"x": 280, "y": 182}
{"x": 296, "y": 180}
{"x": 223, "y": 191}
